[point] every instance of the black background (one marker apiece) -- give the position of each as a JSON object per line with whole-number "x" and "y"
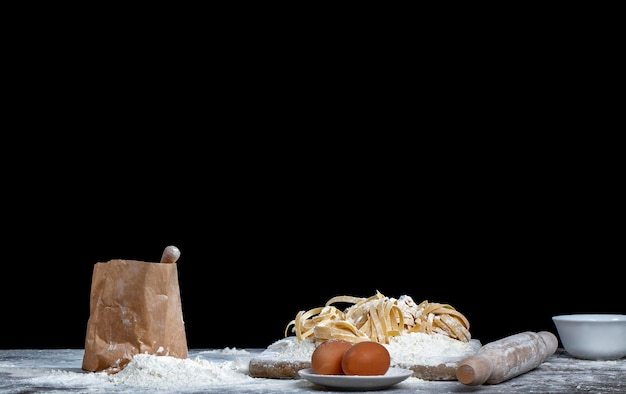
{"x": 507, "y": 243}
{"x": 289, "y": 170}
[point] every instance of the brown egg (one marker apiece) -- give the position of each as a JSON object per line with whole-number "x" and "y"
{"x": 366, "y": 358}
{"x": 326, "y": 358}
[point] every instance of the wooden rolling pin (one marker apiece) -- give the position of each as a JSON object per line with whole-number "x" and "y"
{"x": 507, "y": 358}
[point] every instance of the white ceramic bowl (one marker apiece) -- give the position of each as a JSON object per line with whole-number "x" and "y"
{"x": 593, "y": 336}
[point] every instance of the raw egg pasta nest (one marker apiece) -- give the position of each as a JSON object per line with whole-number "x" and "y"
{"x": 378, "y": 318}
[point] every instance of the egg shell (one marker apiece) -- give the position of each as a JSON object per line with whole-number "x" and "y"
{"x": 327, "y": 356}
{"x": 366, "y": 358}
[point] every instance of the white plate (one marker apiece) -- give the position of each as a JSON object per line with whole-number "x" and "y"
{"x": 374, "y": 382}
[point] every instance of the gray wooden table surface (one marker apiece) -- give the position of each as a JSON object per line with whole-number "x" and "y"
{"x": 50, "y": 370}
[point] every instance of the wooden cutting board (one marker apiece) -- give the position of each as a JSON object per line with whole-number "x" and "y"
{"x": 271, "y": 364}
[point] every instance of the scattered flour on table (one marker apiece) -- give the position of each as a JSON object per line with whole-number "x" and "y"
{"x": 165, "y": 372}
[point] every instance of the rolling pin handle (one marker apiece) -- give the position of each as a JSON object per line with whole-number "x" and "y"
{"x": 170, "y": 255}
{"x": 551, "y": 341}
{"x": 474, "y": 370}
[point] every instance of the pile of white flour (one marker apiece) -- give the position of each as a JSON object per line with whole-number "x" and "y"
{"x": 146, "y": 370}
{"x": 162, "y": 373}
{"x": 425, "y": 349}
{"x": 409, "y": 348}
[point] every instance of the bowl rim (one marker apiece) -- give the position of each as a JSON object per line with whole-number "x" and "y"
{"x": 591, "y": 317}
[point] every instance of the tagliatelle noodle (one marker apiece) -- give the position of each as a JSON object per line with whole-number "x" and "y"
{"x": 305, "y": 322}
{"x": 457, "y": 330}
{"x": 442, "y": 318}
{"x": 377, "y": 318}
{"x": 347, "y": 299}
{"x": 338, "y": 330}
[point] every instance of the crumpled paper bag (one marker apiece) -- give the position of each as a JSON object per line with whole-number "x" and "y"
{"x": 135, "y": 307}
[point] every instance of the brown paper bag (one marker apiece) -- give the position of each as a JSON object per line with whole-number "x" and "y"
{"x": 135, "y": 307}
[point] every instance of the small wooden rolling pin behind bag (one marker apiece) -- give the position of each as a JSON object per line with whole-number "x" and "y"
{"x": 507, "y": 358}
{"x": 170, "y": 255}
